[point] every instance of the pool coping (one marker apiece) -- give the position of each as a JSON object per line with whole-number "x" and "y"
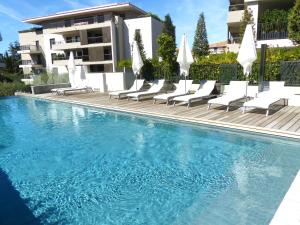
{"x": 199, "y": 121}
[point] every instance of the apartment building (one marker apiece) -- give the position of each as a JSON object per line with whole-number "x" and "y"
{"x": 218, "y": 47}
{"x": 98, "y": 36}
{"x": 276, "y": 36}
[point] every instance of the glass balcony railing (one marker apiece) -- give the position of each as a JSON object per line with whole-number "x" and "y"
{"x": 30, "y": 62}
{"x": 76, "y": 22}
{"x": 236, "y": 7}
{"x": 94, "y": 40}
{"x": 29, "y": 47}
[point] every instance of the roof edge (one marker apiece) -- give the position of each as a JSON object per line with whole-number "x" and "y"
{"x": 78, "y": 11}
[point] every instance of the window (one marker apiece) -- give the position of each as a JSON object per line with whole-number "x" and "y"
{"x": 53, "y": 57}
{"x": 97, "y": 68}
{"x": 52, "y": 42}
{"x": 72, "y": 39}
{"x": 107, "y": 53}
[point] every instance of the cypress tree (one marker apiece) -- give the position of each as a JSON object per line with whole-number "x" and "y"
{"x": 138, "y": 39}
{"x": 294, "y": 24}
{"x": 200, "y": 45}
{"x": 168, "y": 27}
{"x": 247, "y": 19}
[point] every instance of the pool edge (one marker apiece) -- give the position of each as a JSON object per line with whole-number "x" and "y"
{"x": 250, "y": 129}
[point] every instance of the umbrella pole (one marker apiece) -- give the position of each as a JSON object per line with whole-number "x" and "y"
{"x": 185, "y": 84}
{"x": 136, "y": 82}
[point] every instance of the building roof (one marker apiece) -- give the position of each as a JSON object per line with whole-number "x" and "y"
{"x": 218, "y": 44}
{"x": 79, "y": 12}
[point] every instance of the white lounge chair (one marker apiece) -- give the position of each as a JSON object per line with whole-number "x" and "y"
{"x": 64, "y": 91}
{"x": 235, "y": 92}
{"x": 274, "y": 93}
{"x": 136, "y": 87}
{"x": 153, "y": 90}
{"x": 204, "y": 91}
{"x": 182, "y": 88}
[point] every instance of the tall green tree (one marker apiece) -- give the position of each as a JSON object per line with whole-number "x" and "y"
{"x": 138, "y": 39}
{"x": 247, "y": 19}
{"x": 294, "y": 23}
{"x": 168, "y": 27}
{"x": 12, "y": 58}
{"x": 200, "y": 45}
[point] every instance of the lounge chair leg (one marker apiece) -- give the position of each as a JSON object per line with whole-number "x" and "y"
{"x": 189, "y": 104}
{"x": 244, "y": 109}
{"x": 128, "y": 99}
{"x": 154, "y": 101}
{"x": 208, "y": 107}
{"x": 227, "y": 109}
{"x": 174, "y": 104}
{"x": 267, "y": 113}
{"x": 167, "y": 103}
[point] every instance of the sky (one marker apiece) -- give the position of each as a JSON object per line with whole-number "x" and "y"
{"x": 184, "y": 13}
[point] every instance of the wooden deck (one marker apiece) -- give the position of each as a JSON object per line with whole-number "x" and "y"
{"x": 282, "y": 121}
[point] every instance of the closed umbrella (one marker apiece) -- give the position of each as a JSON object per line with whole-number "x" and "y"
{"x": 247, "y": 53}
{"x": 137, "y": 61}
{"x": 71, "y": 69}
{"x": 185, "y": 57}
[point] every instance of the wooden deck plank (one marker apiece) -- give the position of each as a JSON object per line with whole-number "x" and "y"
{"x": 285, "y": 119}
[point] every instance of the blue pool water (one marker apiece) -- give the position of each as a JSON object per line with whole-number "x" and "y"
{"x": 66, "y": 164}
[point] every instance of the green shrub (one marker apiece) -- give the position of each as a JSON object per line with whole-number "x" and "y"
{"x": 9, "y": 88}
{"x": 294, "y": 25}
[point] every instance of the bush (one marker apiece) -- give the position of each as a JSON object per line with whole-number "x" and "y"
{"x": 294, "y": 25}
{"x": 9, "y": 89}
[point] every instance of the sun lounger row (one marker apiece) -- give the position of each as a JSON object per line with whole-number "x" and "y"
{"x": 236, "y": 91}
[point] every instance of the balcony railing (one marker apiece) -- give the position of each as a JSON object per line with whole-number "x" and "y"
{"x": 29, "y": 48}
{"x": 267, "y": 31}
{"x": 66, "y": 57}
{"x": 76, "y": 22}
{"x": 236, "y": 7}
{"x": 94, "y": 40}
{"x": 30, "y": 62}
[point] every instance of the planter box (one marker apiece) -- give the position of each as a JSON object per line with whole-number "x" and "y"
{"x": 41, "y": 89}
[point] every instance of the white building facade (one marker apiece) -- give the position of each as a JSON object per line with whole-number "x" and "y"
{"x": 98, "y": 36}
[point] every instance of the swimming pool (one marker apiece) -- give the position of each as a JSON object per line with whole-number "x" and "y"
{"x": 67, "y": 164}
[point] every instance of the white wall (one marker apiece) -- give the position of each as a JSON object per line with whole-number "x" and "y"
{"x": 276, "y": 43}
{"x": 102, "y": 82}
{"x": 150, "y": 28}
{"x": 48, "y": 52}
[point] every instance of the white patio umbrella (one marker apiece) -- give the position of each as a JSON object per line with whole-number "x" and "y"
{"x": 185, "y": 57}
{"x": 247, "y": 53}
{"x": 137, "y": 61}
{"x": 71, "y": 69}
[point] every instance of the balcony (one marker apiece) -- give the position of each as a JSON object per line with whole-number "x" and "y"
{"x": 62, "y": 45}
{"x": 30, "y": 63}
{"x": 29, "y": 49}
{"x": 272, "y": 31}
{"x": 235, "y": 13}
{"x": 78, "y": 24}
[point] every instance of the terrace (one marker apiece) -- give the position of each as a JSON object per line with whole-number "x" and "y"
{"x": 282, "y": 121}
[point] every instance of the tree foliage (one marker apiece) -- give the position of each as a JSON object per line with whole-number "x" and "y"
{"x": 294, "y": 24}
{"x": 200, "y": 45}
{"x": 12, "y": 58}
{"x": 169, "y": 27}
{"x": 138, "y": 39}
{"x": 247, "y": 19}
